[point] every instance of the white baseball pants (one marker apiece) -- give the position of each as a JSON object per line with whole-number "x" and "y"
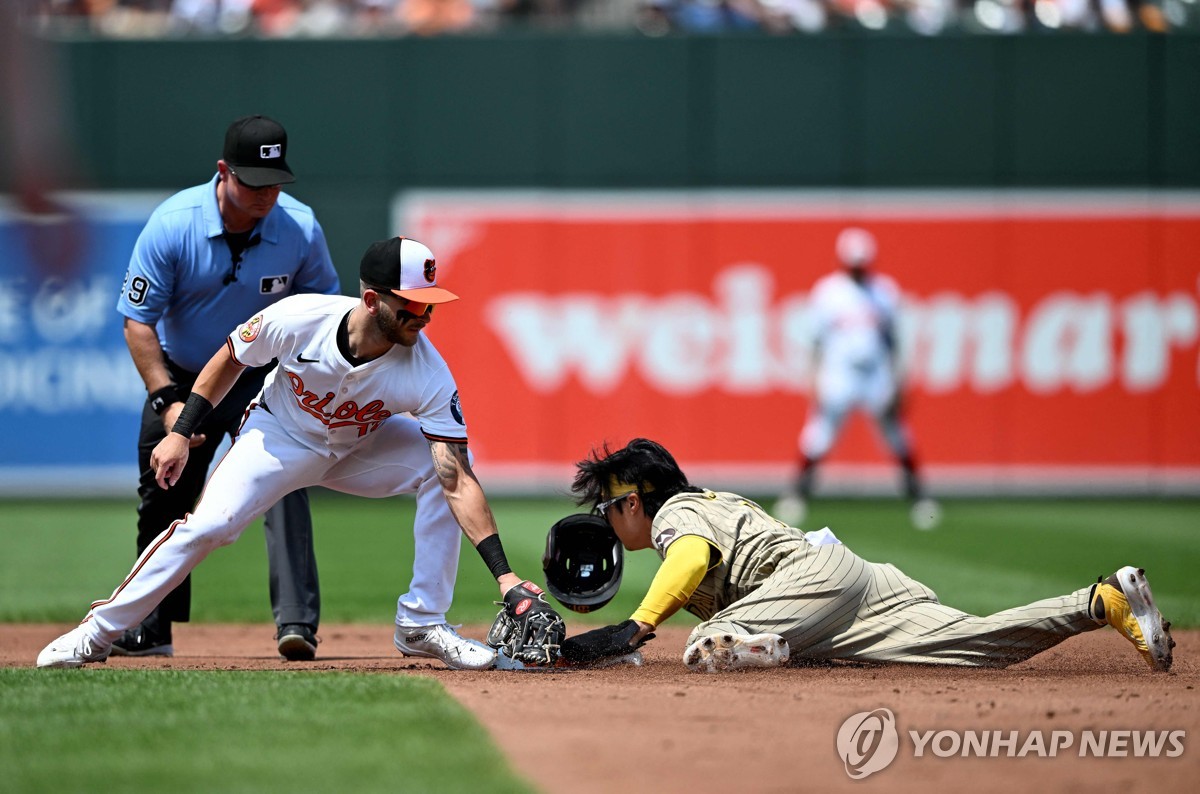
{"x": 840, "y": 390}
{"x": 262, "y": 465}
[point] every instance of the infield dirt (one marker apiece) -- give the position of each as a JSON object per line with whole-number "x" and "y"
{"x": 660, "y": 728}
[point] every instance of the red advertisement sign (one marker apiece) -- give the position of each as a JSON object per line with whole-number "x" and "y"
{"x": 1044, "y": 336}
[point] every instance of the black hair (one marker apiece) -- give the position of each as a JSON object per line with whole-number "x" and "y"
{"x": 641, "y": 462}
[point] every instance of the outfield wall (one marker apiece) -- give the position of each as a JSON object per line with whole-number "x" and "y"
{"x": 1051, "y": 339}
{"x": 1053, "y": 353}
{"x": 370, "y": 117}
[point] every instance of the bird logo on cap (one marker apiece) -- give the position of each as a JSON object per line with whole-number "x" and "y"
{"x": 430, "y": 270}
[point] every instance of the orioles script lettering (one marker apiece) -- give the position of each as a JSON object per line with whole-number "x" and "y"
{"x": 347, "y": 414}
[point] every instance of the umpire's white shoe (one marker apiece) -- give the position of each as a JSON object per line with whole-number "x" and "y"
{"x": 443, "y": 642}
{"x": 719, "y": 652}
{"x": 73, "y": 649}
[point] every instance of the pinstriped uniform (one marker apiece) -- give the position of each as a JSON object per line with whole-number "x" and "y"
{"x": 829, "y": 603}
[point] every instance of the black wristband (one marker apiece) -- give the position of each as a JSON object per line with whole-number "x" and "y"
{"x": 492, "y": 552}
{"x": 164, "y": 398}
{"x": 193, "y": 413}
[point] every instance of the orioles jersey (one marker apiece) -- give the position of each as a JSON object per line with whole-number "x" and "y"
{"x": 748, "y": 544}
{"x": 327, "y": 402}
{"x": 853, "y": 323}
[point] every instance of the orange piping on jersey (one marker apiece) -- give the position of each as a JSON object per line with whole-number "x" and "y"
{"x": 445, "y": 439}
{"x": 245, "y": 416}
{"x": 162, "y": 538}
{"x": 229, "y": 345}
{"x": 144, "y": 559}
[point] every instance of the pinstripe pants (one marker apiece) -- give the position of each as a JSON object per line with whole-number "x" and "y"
{"x": 829, "y": 603}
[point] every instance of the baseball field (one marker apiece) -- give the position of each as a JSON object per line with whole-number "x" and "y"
{"x": 225, "y": 714}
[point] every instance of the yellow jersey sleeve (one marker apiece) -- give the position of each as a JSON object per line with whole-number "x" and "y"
{"x": 683, "y": 568}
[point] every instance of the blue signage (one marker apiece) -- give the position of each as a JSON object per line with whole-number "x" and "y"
{"x": 70, "y": 397}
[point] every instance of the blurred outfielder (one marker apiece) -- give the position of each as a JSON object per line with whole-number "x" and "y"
{"x": 854, "y": 313}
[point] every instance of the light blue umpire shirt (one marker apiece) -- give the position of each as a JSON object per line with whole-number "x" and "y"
{"x": 182, "y": 277}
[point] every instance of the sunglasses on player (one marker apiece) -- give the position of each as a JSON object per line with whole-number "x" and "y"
{"x": 405, "y": 305}
{"x": 602, "y": 508}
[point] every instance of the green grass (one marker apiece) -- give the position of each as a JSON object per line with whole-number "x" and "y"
{"x": 263, "y": 732}
{"x": 990, "y": 555}
{"x": 72, "y": 730}
{"x": 57, "y": 557}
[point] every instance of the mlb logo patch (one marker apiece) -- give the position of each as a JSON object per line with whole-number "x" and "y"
{"x": 270, "y": 151}
{"x": 273, "y": 284}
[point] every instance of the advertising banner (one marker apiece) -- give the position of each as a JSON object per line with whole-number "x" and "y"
{"x": 70, "y": 397}
{"x": 1048, "y": 339}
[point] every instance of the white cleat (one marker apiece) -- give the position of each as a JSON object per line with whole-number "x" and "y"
{"x": 791, "y": 509}
{"x": 443, "y": 642}
{"x": 925, "y": 514}
{"x": 720, "y": 652}
{"x": 73, "y": 649}
{"x": 1128, "y": 606}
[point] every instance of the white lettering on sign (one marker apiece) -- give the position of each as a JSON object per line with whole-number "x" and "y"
{"x": 744, "y": 339}
{"x": 60, "y": 381}
{"x": 1153, "y": 331}
{"x": 63, "y": 311}
{"x": 57, "y": 311}
{"x": 960, "y": 342}
{"x": 50, "y": 363}
{"x": 10, "y": 312}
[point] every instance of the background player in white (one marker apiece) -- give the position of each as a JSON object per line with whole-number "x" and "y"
{"x": 331, "y": 414}
{"x": 766, "y": 592}
{"x": 854, "y": 313}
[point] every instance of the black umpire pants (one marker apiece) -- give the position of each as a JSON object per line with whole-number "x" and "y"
{"x": 295, "y": 594}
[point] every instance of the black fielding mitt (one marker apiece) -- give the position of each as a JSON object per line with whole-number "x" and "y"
{"x": 597, "y": 644}
{"x": 527, "y": 629}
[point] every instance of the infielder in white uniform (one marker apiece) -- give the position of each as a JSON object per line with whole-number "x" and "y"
{"x": 854, "y": 313}
{"x": 333, "y": 414}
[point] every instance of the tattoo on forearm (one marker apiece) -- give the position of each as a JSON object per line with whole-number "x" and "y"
{"x": 450, "y": 460}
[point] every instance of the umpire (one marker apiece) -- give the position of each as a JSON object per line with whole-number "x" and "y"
{"x": 210, "y": 257}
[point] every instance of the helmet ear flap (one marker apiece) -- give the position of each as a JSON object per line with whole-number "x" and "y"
{"x": 583, "y": 562}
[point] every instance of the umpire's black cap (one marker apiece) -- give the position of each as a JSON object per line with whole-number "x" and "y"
{"x": 256, "y": 150}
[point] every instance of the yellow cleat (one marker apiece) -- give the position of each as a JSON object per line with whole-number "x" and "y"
{"x": 1124, "y": 602}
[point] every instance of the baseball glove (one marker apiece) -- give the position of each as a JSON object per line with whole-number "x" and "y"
{"x": 597, "y": 644}
{"x": 527, "y": 629}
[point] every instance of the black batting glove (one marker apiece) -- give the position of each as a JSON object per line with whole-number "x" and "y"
{"x": 602, "y": 643}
